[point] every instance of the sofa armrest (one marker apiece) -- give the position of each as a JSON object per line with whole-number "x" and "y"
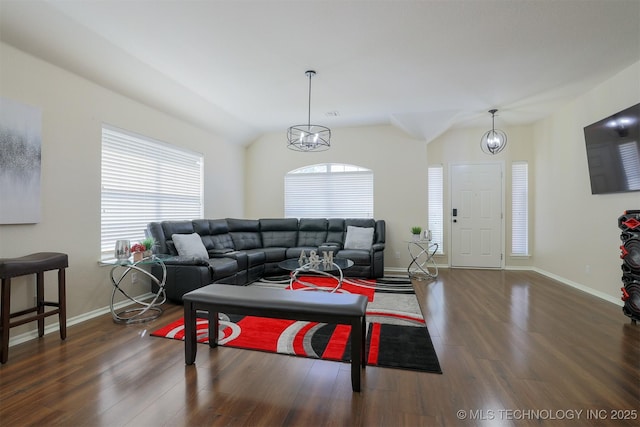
{"x": 334, "y": 245}
{"x": 376, "y": 247}
{"x": 219, "y": 252}
{"x": 182, "y": 260}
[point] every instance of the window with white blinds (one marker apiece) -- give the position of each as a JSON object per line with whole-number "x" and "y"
{"x": 144, "y": 180}
{"x": 329, "y": 190}
{"x": 519, "y": 208}
{"x": 436, "y": 205}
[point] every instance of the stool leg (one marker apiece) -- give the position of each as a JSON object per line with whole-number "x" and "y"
{"x": 4, "y": 319}
{"x": 62, "y": 303}
{"x": 40, "y": 301}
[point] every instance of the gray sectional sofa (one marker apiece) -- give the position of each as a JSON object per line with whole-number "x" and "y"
{"x": 241, "y": 251}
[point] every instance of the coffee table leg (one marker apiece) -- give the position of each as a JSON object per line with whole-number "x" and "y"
{"x": 356, "y": 352}
{"x": 190, "y": 341}
{"x": 214, "y": 325}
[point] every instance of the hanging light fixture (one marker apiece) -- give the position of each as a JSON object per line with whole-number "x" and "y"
{"x": 494, "y": 140}
{"x": 309, "y": 137}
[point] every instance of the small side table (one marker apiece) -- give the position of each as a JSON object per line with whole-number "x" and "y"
{"x": 422, "y": 263}
{"x": 143, "y": 311}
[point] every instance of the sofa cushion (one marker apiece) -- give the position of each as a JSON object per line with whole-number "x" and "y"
{"x": 358, "y": 256}
{"x": 190, "y": 245}
{"x": 245, "y": 233}
{"x": 218, "y": 240}
{"x": 177, "y": 227}
{"x": 358, "y": 238}
{"x": 275, "y": 254}
{"x": 279, "y": 232}
{"x": 313, "y": 232}
{"x": 335, "y": 231}
{"x": 222, "y": 242}
{"x": 243, "y": 240}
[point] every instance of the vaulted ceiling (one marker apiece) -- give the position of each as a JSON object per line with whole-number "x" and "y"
{"x": 237, "y": 67}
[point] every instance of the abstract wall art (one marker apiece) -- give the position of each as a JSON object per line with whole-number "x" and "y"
{"x": 20, "y": 162}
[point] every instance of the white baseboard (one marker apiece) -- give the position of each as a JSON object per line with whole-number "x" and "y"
{"x": 596, "y": 293}
{"x": 55, "y": 327}
{"x": 564, "y": 281}
{"x": 400, "y": 271}
{"x": 395, "y": 271}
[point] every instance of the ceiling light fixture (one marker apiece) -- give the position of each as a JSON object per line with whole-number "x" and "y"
{"x": 309, "y": 137}
{"x": 494, "y": 140}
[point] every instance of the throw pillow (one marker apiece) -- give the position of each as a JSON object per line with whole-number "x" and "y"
{"x": 190, "y": 245}
{"x": 358, "y": 238}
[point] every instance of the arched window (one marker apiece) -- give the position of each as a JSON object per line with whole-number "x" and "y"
{"x": 329, "y": 190}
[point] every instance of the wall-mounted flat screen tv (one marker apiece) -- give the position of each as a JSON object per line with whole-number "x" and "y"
{"x": 613, "y": 152}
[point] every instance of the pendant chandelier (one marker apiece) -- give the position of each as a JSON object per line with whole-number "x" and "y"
{"x": 309, "y": 137}
{"x": 494, "y": 140}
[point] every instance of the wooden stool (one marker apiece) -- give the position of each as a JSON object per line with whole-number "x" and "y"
{"x": 37, "y": 264}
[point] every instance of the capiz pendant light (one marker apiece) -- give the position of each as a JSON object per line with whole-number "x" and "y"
{"x": 309, "y": 137}
{"x": 494, "y": 140}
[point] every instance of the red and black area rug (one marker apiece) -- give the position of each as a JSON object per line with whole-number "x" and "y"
{"x": 397, "y": 336}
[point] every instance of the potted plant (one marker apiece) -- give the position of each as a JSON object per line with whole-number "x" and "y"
{"x": 415, "y": 231}
{"x": 148, "y": 244}
{"x": 142, "y": 249}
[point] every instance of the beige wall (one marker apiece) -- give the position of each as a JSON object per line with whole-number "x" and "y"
{"x": 576, "y": 233}
{"x": 73, "y": 110}
{"x": 400, "y": 177}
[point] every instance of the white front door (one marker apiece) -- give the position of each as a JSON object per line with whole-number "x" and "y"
{"x": 476, "y": 215}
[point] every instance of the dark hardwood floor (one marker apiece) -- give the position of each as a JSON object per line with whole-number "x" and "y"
{"x": 516, "y": 348}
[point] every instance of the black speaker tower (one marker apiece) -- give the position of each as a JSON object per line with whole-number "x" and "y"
{"x": 629, "y": 223}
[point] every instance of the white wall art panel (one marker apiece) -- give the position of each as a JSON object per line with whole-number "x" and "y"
{"x": 20, "y": 162}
